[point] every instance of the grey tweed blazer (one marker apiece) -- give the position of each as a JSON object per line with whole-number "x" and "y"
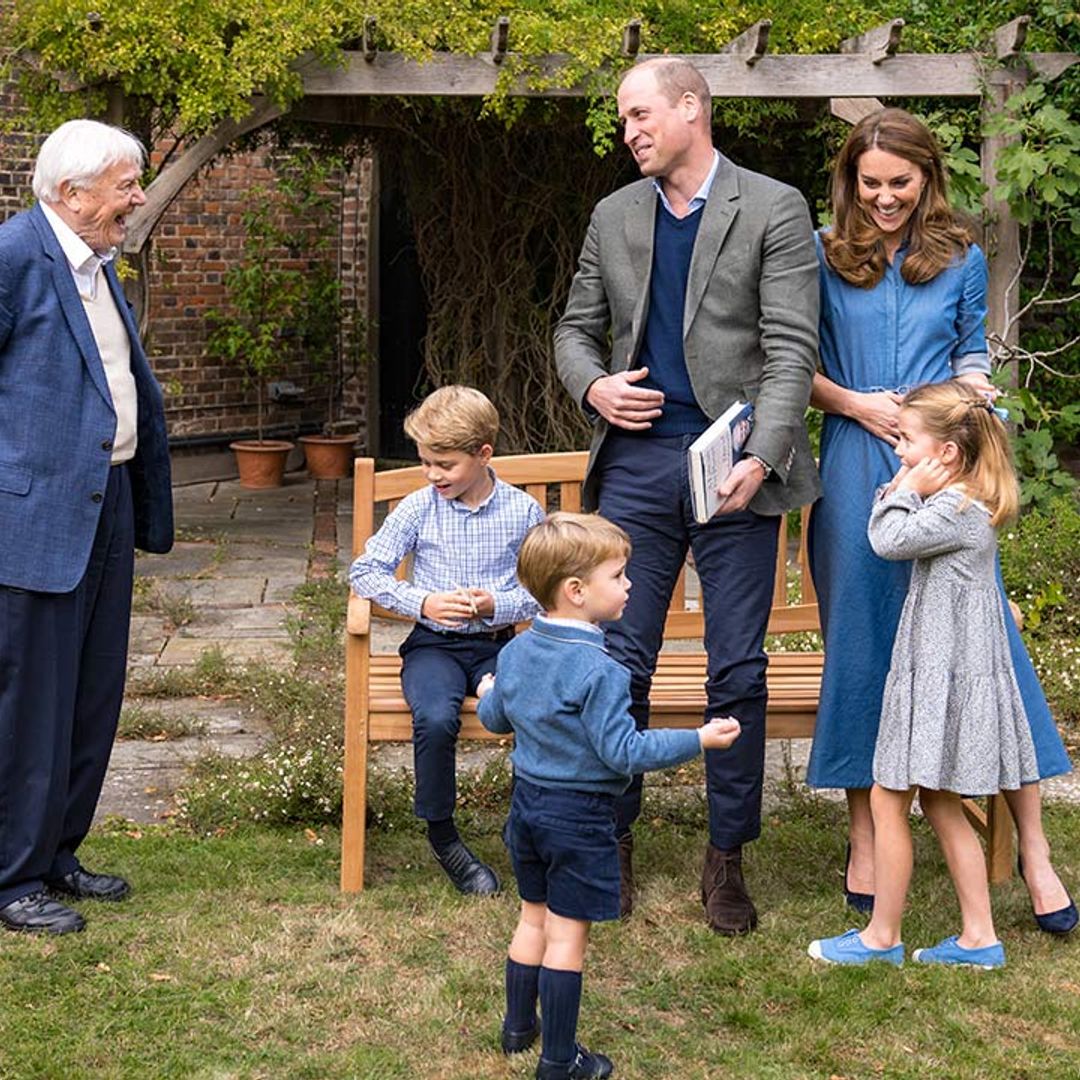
{"x": 750, "y": 328}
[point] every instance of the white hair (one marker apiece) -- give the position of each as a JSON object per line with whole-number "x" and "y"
{"x": 79, "y": 152}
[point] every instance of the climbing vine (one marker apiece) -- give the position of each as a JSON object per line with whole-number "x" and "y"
{"x": 499, "y": 190}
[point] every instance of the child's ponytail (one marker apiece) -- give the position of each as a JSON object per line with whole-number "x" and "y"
{"x": 955, "y": 412}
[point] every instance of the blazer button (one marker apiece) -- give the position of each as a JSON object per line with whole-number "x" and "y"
{"x": 107, "y": 444}
{"x": 96, "y": 497}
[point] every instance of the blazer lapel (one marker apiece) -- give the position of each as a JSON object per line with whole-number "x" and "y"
{"x": 70, "y": 304}
{"x": 640, "y": 230}
{"x": 718, "y": 214}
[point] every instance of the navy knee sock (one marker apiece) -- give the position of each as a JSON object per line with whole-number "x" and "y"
{"x": 522, "y": 986}
{"x": 560, "y": 1002}
{"x": 441, "y": 834}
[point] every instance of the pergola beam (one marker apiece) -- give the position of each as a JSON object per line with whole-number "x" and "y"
{"x": 729, "y": 75}
{"x": 165, "y": 187}
{"x": 751, "y": 43}
{"x": 1009, "y": 39}
{"x": 878, "y": 44}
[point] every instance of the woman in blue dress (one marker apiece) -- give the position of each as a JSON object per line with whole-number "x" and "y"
{"x": 903, "y": 301}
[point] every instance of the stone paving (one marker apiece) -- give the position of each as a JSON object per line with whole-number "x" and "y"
{"x": 226, "y": 586}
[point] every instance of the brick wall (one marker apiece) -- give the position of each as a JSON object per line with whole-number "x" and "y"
{"x": 185, "y": 263}
{"x": 193, "y": 245}
{"x": 17, "y": 149}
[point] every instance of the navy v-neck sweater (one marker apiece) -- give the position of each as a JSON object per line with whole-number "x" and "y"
{"x": 662, "y": 345}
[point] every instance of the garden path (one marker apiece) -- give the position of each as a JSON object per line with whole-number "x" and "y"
{"x": 227, "y": 585}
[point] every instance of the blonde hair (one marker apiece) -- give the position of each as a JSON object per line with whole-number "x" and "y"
{"x": 454, "y": 418}
{"x": 566, "y": 545}
{"x": 957, "y": 413}
{"x": 854, "y": 246}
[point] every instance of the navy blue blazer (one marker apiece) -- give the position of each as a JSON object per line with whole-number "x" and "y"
{"x": 57, "y": 421}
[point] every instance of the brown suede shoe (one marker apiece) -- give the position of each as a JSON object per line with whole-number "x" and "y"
{"x": 728, "y": 907}
{"x": 626, "y": 876}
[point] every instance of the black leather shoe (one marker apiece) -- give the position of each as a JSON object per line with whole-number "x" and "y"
{"x": 466, "y": 871}
{"x": 39, "y": 914}
{"x": 517, "y": 1042}
{"x": 80, "y": 884}
{"x": 585, "y": 1066}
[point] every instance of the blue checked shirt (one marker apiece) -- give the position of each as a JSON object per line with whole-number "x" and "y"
{"x": 452, "y": 544}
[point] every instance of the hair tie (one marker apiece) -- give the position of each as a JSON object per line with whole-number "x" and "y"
{"x": 1001, "y": 413}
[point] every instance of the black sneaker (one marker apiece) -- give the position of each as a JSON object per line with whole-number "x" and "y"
{"x": 585, "y": 1066}
{"x": 517, "y": 1042}
{"x": 466, "y": 871}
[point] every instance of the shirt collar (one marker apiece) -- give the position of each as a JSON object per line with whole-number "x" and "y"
{"x": 700, "y": 196}
{"x": 82, "y": 258}
{"x": 461, "y": 508}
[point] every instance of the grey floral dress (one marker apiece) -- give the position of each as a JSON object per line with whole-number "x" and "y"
{"x": 951, "y": 716}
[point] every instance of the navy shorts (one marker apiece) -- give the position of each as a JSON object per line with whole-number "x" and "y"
{"x": 563, "y": 850}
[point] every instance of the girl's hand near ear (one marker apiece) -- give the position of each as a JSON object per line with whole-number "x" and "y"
{"x": 895, "y": 482}
{"x": 926, "y": 478}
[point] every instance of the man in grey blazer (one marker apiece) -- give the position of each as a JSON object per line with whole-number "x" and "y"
{"x": 696, "y": 286}
{"x": 84, "y": 480}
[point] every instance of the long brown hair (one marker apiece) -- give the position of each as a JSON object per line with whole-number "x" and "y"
{"x": 854, "y": 246}
{"x": 954, "y": 412}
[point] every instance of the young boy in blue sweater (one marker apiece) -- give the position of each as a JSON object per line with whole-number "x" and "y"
{"x": 463, "y": 532}
{"x": 575, "y": 749}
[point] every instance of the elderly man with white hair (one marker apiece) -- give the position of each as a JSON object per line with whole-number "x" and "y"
{"x": 84, "y": 480}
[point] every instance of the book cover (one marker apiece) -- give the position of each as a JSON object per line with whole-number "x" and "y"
{"x": 713, "y": 453}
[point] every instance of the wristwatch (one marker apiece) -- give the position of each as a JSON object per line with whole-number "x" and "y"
{"x": 765, "y": 466}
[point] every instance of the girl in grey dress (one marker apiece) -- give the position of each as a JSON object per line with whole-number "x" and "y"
{"x": 952, "y": 720}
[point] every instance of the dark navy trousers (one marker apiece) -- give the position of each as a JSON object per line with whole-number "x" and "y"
{"x": 644, "y": 487}
{"x": 437, "y": 671}
{"x": 63, "y": 659}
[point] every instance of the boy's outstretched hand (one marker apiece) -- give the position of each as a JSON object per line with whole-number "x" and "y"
{"x": 719, "y": 733}
{"x": 485, "y": 684}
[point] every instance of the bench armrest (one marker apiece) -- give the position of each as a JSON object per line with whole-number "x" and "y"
{"x": 358, "y": 618}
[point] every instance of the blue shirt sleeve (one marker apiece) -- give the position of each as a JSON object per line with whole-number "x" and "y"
{"x": 971, "y": 313}
{"x": 607, "y": 723}
{"x": 372, "y": 574}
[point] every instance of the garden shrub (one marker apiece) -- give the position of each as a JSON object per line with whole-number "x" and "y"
{"x": 1040, "y": 562}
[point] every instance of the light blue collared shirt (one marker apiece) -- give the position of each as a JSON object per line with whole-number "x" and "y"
{"x": 453, "y": 546}
{"x": 700, "y": 196}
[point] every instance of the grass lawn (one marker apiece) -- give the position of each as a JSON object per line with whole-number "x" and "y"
{"x": 237, "y": 957}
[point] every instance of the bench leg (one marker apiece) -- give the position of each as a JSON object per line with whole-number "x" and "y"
{"x": 999, "y": 839}
{"x": 354, "y": 796}
{"x": 994, "y": 825}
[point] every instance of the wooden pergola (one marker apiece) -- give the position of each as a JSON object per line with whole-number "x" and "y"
{"x": 866, "y": 68}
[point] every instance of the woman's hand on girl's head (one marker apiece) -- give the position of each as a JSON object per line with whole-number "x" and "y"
{"x": 926, "y": 478}
{"x": 978, "y": 381}
{"x": 878, "y": 411}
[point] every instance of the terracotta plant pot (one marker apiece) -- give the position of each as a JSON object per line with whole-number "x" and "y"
{"x": 261, "y": 464}
{"x": 329, "y": 457}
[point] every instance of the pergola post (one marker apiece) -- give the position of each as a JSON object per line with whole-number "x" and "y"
{"x": 1001, "y": 232}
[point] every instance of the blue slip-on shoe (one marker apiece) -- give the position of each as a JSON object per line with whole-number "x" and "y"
{"x": 950, "y": 952}
{"x": 849, "y": 949}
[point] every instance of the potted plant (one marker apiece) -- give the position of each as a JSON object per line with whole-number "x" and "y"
{"x": 328, "y": 455}
{"x": 264, "y": 297}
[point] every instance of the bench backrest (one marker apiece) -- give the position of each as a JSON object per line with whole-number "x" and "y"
{"x": 554, "y": 480}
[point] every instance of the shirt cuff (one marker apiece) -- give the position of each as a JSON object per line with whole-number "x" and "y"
{"x": 971, "y": 364}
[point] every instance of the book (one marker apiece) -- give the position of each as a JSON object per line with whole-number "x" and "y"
{"x": 712, "y": 455}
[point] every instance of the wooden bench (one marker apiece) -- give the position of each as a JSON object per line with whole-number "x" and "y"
{"x": 375, "y": 709}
